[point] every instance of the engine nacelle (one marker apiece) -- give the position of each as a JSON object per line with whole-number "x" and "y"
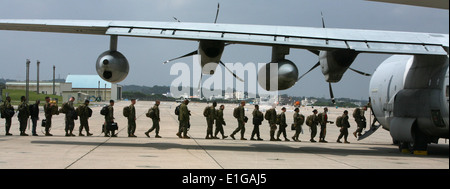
{"x": 286, "y": 74}
{"x": 112, "y": 66}
{"x": 335, "y": 63}
{"x": 211, "y": 52}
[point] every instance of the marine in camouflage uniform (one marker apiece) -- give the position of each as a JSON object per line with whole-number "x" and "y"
{"x": 132, "y": 119}
{"x": 83, "y": 113}
{"x": 109, "y": 119}
{"x": 184, "y": 118}
{"x": 155, "y": 120}
{"x": 313, "y": 127}
{"x": 283, "y": 125}
{"x": 7, "y": 105}
{"x": 48, "y": 111}
{"x": 323, "y": 117}
{"x": 210, "y": 117}
{"x": 344, "y": 128}
{"x": 241, "y": 122}
{"x": 68, "y": 109}
{"x": 24, "y": 114}
{"x": 258, "y": 117}
{"x": 299, "y": 119}
{"x": 271, "y": 116}
{"x": 220, "y": 122}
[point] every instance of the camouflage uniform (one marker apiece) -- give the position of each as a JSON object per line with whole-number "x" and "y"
{"x": 83, "y": 113}
{"x": 259, "y": 117}
{"x": 344, "y": 129}
{"x": 132, "y": 121}
{"x": 109, "y": 119}
{"x": 48, "y": 118}
{"x": 210, "y": 117}
{"x": 272, "y": 122}
{"x": 241, "y": 124}
{"x": 283, "y": 126}
{"x": 299, "y": 119}
{"x": 7, "y": 106}
{"x": 24, "y": 114}
{"x": 219, "y": 123}
{"x": 184, "y": 118}
{"x": 155, "y": 121}
{"x": 68, "y": 109}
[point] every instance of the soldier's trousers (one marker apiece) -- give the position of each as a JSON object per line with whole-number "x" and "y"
{"x": 298, "y": 130}
{"x": 154, "y": 126}
{"x": 255, "y": 131}
{"x": 282, "y": 130}
{"x": 7, "y": 124}
{"x": 48, "y": 124}
{"x": 23, "y": 125}
{"x": 323, "y": 131}
{"x": 219, "y": 129}
{"x": 313, "y": 131}
{"x": 131, "y": 126}
{"x": 344, "y": 133}
{"x": 241, "y": 127}
{"x": 209, "y": 129}
{"x": 70, "y": 125}
{"x": 273, "y": 128}
{"x": 183, "y": 128}
{"x": 84, "y": 124}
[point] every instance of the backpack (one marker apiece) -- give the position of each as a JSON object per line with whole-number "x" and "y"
{"x": 104, "y": 111}
{"x": 206, "y": 111}
{"x": 126, "y": 111}
{"x": 339, "y": 121}
{"x": 2, "y": 110}
{"x": 177, "y": 110}
{"x": 236, "y": 112}
{"x": 309, "y": 120}
{"x": 356, "y": 113}
{"x": 151, "y": 113}
{"x": 278, "y": 121}
{"x": 89, "y": 112}
{"x": 268, "y": 114}
{"x": 302, "y": 119}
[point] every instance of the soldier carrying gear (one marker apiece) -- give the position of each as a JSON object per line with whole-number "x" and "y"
{"x": 344, "y": 128}
{"x": 299, "y": 119}
{"x": 220, "y": 122}
{"x": 271, "y": 117}
{"x": 71, "y": 115}
{"x": 50, "y": 109}
{"x": 84, "y": 112}
{"x": 131, "y": 119}
{"x": 283, "y": 125}
{"x": 241, "y": 118}
{"x": 154, "y": 115}
{"x": 24, "y": 114}
{"x": 109, "y": 120}
{"x": 210, "y": 115}
{"x": 184, "y": 118}
{"x": 258, "y": 117}
{"x": 312, "y": 121}
{"x": 360, "y": 120}
{"x": 7, "y": 111}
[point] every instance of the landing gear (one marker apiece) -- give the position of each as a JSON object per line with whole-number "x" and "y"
{"x": 417, "y": 147}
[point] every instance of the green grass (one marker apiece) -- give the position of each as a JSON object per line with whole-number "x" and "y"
{"x": 33, "y": 96}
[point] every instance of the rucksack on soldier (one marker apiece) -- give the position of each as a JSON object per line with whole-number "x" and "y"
{"x": 151, "y": 113}
{"x": 268, "y": 115}
{"x": 206, "y": 111}
{"x": 236, "y": 112}
{"x": 104, "y": 110}
{"x": 339, "y": 121}
{"x": 278, "y": 120}
{"x": 126, "y": 111}
{"x": 356, "y": 113}
{"x": 177, "y": 110}
{"x": 309, "y": 120}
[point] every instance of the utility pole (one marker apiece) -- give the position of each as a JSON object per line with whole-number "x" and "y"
{"x": 28, "y": 80}
{"x": 37, "y": 79}
{"x": 54, "y": 93}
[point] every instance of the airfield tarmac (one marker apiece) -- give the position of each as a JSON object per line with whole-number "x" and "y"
{"x": 171, "y": 152}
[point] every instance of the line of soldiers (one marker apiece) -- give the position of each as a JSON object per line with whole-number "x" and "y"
{"x": 83, "y": 112}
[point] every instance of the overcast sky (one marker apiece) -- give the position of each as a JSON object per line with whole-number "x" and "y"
{"x": 76, "y": 54}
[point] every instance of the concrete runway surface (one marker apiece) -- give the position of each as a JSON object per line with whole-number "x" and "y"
{"x": 171, "y": 152}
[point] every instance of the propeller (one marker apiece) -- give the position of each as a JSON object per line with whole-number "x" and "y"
{"x": 217, "y": 13}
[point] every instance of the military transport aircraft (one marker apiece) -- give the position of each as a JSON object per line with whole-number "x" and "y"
{"x": 409, "y": 91}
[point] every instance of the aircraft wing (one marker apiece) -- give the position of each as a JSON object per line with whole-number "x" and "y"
{"x": 370, "y": 41}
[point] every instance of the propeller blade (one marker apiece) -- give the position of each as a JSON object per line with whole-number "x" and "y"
{"x": 199, "y": 90}
{"x": 331, "y": 93}
{"x": 176, "y": 19}
{"x": 323, "y": 21}
{"x": 360, "y": 72}
{"x": 231, "y": 72}
{"x": 315, "y": 66}
{"x": 217, "y": 13}
{"x": 186, "y": 55}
